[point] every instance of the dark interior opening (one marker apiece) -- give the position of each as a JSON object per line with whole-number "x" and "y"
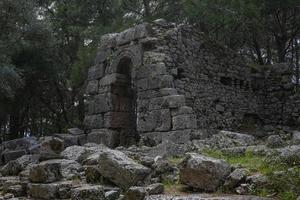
{"x": 126, "y": 103}
{"x": 226, "y": 81}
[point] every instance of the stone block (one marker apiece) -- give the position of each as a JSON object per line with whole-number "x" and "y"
{"x": 92, "y": 87}
{"x": 45, "y": 172}
{"x": 102, "y": 55}
{"x": 111, "y": 102}
{"x": 151, "y": 138}
{"x": 175, "y": 101}
{"x": 75, "y": 131}
{"x": 89, "y": 192}
{"x": 115, "y": 78}
{"x": 9, "y": 155}
{"x": 121, "y": 170}
{"x": 156, "y": 120}
{"x": 95, "y": 72}
{"x": 21, "y": 143}
{"x": 180, "y": 122}
{"x": 104, "y": 136}
{"x": 178, "y": 136}
{"x": 150, "y": 70}
{"x": 68, "y": 139}
{"x": 93, "y": 121}
{"x": 202, "y": 172}
{"x": 118, "y": 119}
{"x": 168, "y": 91}
{"x": 126, "y": 36}
{"x": 182, "y": 111}
{"x": 59, "y": 190}
{"x": 162, "y": 81}
{"x": 142, "y": 31}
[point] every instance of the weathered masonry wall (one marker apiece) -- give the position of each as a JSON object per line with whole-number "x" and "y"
{"x": 216, "y": 83}
{"x": 163, "y": 82}
{"x": 131, "y": 94}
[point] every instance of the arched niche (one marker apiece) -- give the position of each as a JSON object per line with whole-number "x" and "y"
{"x": 124, "y": 95}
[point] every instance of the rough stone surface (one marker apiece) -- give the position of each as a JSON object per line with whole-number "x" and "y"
{"x": 88, "y": 192}
{"x": 182, "y": 80}
{"x": 236, "y": 177}
{"x": 14, "y": 167}
{"x": 202, "y": 172}
{"x": 45, "y": 172}
{"x": 296, "y": 137}
{"x": 121, "y": 170}
{"x": 50, "y": 148}
{"x": 275, "y": 141}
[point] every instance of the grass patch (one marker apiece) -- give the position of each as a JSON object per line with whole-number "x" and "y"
{"x": 175, "y": 160}
{"x": 284, "y": 185}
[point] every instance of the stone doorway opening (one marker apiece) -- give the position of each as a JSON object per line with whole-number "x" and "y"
{"x": 125, "y": 103}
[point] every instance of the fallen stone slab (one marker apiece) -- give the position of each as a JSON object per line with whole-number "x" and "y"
{"x": 202, "y": 172}
{"x": 58, "y": 190}
{"x": 120, "y": 169}
{"x": 14, "y": 167}
{"x": 9, "y": 155}
{"x": 54, "y": 170}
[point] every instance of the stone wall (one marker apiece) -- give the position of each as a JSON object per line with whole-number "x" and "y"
{"x": 216, "y": 82}
{"x": 164, "y": 82}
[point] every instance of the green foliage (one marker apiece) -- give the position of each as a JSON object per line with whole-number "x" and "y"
{"x": 284, "y": 181}
{"x": 10, "y": 81}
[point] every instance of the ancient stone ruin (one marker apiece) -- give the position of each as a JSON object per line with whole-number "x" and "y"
{"x": 159, "y": 98}
{"x": 162, "y": 82}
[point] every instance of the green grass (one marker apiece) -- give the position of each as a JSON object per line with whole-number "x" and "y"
{"x": 285, "y": 186}
{"x": 175, "y": 160}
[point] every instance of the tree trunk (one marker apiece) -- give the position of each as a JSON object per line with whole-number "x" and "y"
{"x": 297, "y": 61}
{"x": 147, "y": 9}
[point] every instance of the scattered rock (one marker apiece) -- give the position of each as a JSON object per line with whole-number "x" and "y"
{"x": 296, "y": 137}
{"x": 14, "y": 167}
{"x": 156, "y": 188}
{"x": 136, "y": 193}
{"x": 50, "y": 148}
{"x": 120, "y": 169}
{"x": 235, "y": 178}
{"x": 88, "y": 192}
{"x": 202, "y": 172}
{"x": 75, "y": 131}
{"x": 290, "y": 154}
{"x": 257, "y": 179}
{"x": 275, "y": 141}
{"x": 112, "y": 195}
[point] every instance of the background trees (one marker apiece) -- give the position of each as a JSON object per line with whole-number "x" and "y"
{"x": 46, "y": 47}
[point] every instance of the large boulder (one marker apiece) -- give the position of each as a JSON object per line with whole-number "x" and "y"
{"x": 275, "y": 141}
{"x": 50, "y": 148}
{"x": 58, "y": 190}
{"x": 235, "y": 178}
{"x": 54, "y": 170}
{"x": 289, "y": 154}
{"x": 202, "y": 172}
{"x": 120, "y": 169}
{"x": 227, "y": 139}
{"x": 9, "y": 155}
{"x": 14, "y": 167}
{"x": 45, "y": 172}
{"x": 83, "y": 154}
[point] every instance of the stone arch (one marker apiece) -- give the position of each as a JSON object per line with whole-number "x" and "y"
{"x": 124, "y": 101}
{"x": 133, "y": 53}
